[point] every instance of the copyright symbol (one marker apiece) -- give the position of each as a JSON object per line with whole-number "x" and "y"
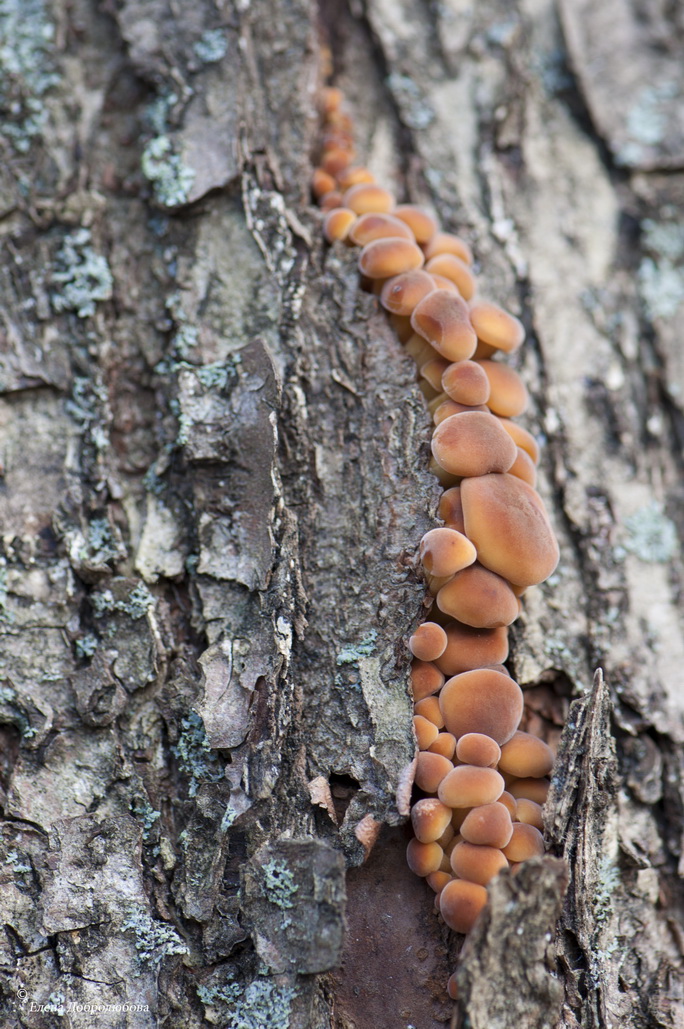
{"x": 22, "y": 994}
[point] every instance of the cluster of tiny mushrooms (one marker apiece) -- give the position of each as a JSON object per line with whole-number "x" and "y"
{"x": 480, "y": 781}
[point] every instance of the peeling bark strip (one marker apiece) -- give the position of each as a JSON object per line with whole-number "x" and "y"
{"x": 165, "y": 298}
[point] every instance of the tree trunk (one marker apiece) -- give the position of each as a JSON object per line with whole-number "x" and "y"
{"x": 215, "y": 480}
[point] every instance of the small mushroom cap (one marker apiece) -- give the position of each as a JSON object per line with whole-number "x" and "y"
{"x": 451, "y": 267}
{"x": 426, "y": 679}
{"x": 337, "y": 223}
{"x": 510, "y": 803}
{"x": 470, "y": 786}
{"x": 526, "y": 756}
{"x": 423, "y": 858}
{"x": 482, "y": 701}
{"x": 428, "y": 641}
{"x": 422, "y": 224}
{"x": 330, "y": 200}
{"x": 472, "y": 444}
{"x": 496, "y": 327}
{"x": 429, "y": 818}
{"x": 438, "y": 880}
{"x": 508, "y": 395}
{"x": 466, "y": 382}
{"x": 479, "y": 597}
{"x": 378, "y": 226}
{"x": 477, "y": 864}
{"x": 523, "y": 468}
{"x": 506, "y": 520}
{"x": 522, "y": 438}
{"x": 367, "y": 198}
{"x": 444, "y": 744}
{"x": 451, "y": 509}
{"x": 460, "y": 903}
{"x": 335, "y": 159}
{"x": 442, "y": 319}
{"x": 384, "y": 258}
{"x": 477, "y": 749}
{"x": 322, "y": 182}
{"x": 430, "y": 770}
{"x": 446, "y": 551}
{"x": 452, "y": 986}
{"x": 429, "y": 708}
{"x": 433, "y": 371}
{"x": 425, "y": 730}
{"x": 533, "y": 789}
{"x": 403, "y": 293}
{"x": 526, "y": 842}
{"x": 447, "y": 243}
{"x": 529, "y": 812}
{"x": 469, "y": 648}
{"x": 354, "y": 177}
{"x": 489, "y": 825}
{"x": 331, "y": 98}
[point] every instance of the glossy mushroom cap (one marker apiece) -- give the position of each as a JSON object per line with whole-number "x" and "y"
{"x": 425, "y": 730}
{"x": 431, "y": 769}
{"x": 496, "y": 327}
{"x": 429, "y": 708}
{"x": 489, "y": 825}
{"x": 477, "y": 864}
{"x": 451, "y": 509}
{"x": 447, "y": 243}
{"x": 529, "y": 812}
{"x": 455, "y": 270}
{"x": 426, "y": 679}
{"x": 321, "y": 183}
{"x": 506, "y": 520}
{"x": 444, "y": 744}
{"x": 523, "y": 468}
{"x": 423, "y": 858}
{"x": 470, "y": 786}
{"x": 472, "y": 444}
{"x": 460, "y": 903}
{"x": 479, "y": 598}
{"x": 354, "y": 176}
{"x": 403, "y": 293}
{"x": 443, "y": 552}
{"x": 482, "y": 701}
{"x": 337, "y": 223}
{"x": 367, "y": 198}
{"x": 429, "y": 818}
{"x": 468, "y": 648}
{"x": 428, "y": 642}
{"x": 422, "y": 224}
{"x": 477, "y": 749}
{"x": 522, "y": 438}
{"x": 508, "y": 394}
{"x": 466, "y": 382}
{"x": 378, "y": 226}
{"x": 442, "y": 319}
{"x": 526, "y": 842}
{"x": 384, "y": 258}
{"x": 526, "y": 756}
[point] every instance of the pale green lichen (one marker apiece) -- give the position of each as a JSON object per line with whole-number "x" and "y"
{"x": 86, "y": 646}
{"x": 279, "y": 883}
{"x": 194, "y": 754}
{"x": 136, "y": 604}
{"x": 609, "y": 881}
{"x": 650, "y": 534}
{"x": 263, "y": 1004}
{"x": 100, "y": 545}
{"x": 352, "y": 652}
{"x": 26, "y": 70}
{"x": 153, "y": 940}
{"x": 647, "y": 121}
{"x": 211, "y": 46}
{"x": 662, "y": 287}
{"x": 83, "y": 275}
{"x": 415, "y": 109}
{"x": 170, "y": 178}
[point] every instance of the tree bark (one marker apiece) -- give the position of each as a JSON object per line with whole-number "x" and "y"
{"x": 214, "y": 482}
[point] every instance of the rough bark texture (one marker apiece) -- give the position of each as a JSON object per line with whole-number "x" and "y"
{"x": 214, "y": 482}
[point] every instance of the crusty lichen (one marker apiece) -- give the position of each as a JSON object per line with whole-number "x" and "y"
{"x": 280, "y": 884}
{"x": 262, "y": 1003}
{"x": 650, "y": 534}
{"x": 352, "y": 652}
{"x": 26, "y": 70}
{"x": 153, "y": 940}
{"x": 163, "y": 167}
{"x": 83, "y": 275}
{"x": 194, "y": 754}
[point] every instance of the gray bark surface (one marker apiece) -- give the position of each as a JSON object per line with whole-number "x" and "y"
{"x": 214, "y": 482}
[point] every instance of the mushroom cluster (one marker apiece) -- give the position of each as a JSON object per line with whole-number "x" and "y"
{"x": 480, "y": 781}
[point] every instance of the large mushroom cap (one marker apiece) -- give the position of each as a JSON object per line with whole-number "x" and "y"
{"x": 526, "y": 756}
{"x": 447, "y": 243}
{"x": 442, "y": 319}
{"x": 472, "y": 444}
{"x": 506, "y": 520}
{"x": 453, "y": 268}
{"x": 495, "y": 326}
{"x": 378, "y": 226}
{"x": 460, "y": 903}
{"x": 430, "y": 770}
{"x": 468, "y": 648}
{"x": 466, "y": 382}
{"x": 482, "y": 701}
{"x": 470, "y": 786}
{"x": 445, "y": 551}
{"x": 477, "y": 749}
{"x": 383, "y": 258}
{"x": 430, "y": 818}
{"x": 489, "y": 825}
{"x": 477, "y": 864}
{"x": 367, "y": 198}
{"x": 508, "y": 395}
{"x": 525, "y": 842}
{"x": 421, "y": 222}
{"x": 480, "y": 598}
{"x": 402, "y": 294}
{"x": 428, "y": 641}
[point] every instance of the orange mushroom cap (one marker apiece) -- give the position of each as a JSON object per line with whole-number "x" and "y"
{"x": 530, "y": 812}
{"x": 477, "y": 864}
{"x": 428, "y": 641}
{"x": 482, "y": 701}
{"x": 423, "y": 858}
{"x": 425, "y": 730}
{"x": 421, "y": 222}
{"x": 443, "y": 283}
{"x": 403, "y": 293}
{"x": 508, "y": 395}
{"x": 447, "y": 243}
{"x": 489, "y": 825}
{"x": 429, "y": 708}
{"x": 523, "y": 468}
{"x": 460, "y": 903}
{"x": 468, "y": 648}
{"x": 466, "y": 382}
{"x": 533, "y": 789}
{"x": 430, "y": 770}
{"x": 444, "y": 551}
{"x": 337, "y": 223}
{"x": 510, "y": 803}
{"x": 442, "y": 319}
{"x": 367, "y": 198}
{"x": 522, "y": 438}
{"x": 479, "y": 597}
{"x": 384, "y": 258}
{"x": 322, "y": 182}
{"x": 472, "y": 444}
{"x": 526, "y": 756}
{"x": 445, "y": 744}
{"x": 470, "y": 786}
{"x": 453, "y": 268}
{"x": 496, "y": 327}
{"x": 438, "y": 880}
{"x": 477, "y": 749}
{"x": 330, "y": 200}
{"x": 426, "y": 679}
{"x": 506, "y": 520}
{"x": 354, "y": 177}
{"x": 450, "y": 509}
{"x": 378, "y": 226}
{"x": 429, "y": 818}
{"x": 526, "y": 842}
